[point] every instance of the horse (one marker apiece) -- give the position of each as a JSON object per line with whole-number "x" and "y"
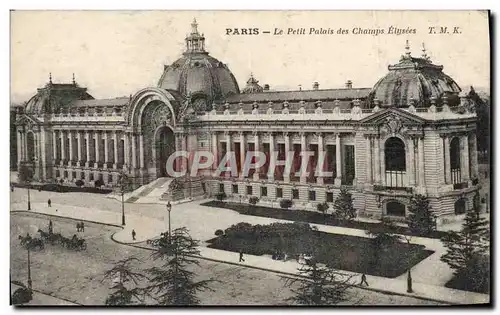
{"x": 36, "y": 242}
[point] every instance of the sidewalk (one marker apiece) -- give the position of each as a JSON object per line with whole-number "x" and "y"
{"x": 428, "y": 275}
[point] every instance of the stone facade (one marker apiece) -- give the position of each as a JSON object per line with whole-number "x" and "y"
{"x": 383, "y": 153}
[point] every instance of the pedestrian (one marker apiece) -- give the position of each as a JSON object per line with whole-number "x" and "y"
{"x": 50, "y": 227}
{"x": 49, "y": 202}
{"x": 133, "y": 234}
{"x": 363, "y": 280}
{"x": 82, "y": 226}
{"x": 241, "y": 256}
{"x": 78, "y": 227}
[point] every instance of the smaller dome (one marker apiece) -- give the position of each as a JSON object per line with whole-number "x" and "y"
{"x": 415, "y": 81}
{"x": 252, "y": 86}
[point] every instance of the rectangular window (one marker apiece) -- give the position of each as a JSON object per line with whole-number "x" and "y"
{"x": 329, "y": 197}
{"x": 295, "y": 194}
{"x": 65, "y": 174}
{"x": 58, "y": 174}
{"x": 263, "y": 191}
{"x": 249, "y": 190}
{"x": 279, "y": 192}
{"x": 312, "y": 195}
{"x": 235, "y": 189}
{"x": 110, "y": 178}
{"x": 91, "y": 177}
{"x": 74, "y": 174}
{"x": 221, "y": 188}
{"x": 82, "y": 175}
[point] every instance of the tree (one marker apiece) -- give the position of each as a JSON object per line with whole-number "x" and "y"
{"x": 383, "y": 237}
{"x": 323, "y": 208}
{"x": 467, "y": 247}
{"x": 173, "y": 283}
{"x": 123, "y": 295}
{"x": 318, "y": 285}
{"x": 421, "y": 220}
{"x": 343, "y": 205}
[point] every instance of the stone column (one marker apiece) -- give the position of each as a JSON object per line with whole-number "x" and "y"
{"x": 421, "y": 167}
{"x": 43, "y": 157}
{"x": 54, "y": 145}
{"x": 79, "y": 147}
{"x": 134, "y": 150}
{"x": 87, "y": 148}
{"x": 473, "y": 151}
{"x": 70, "y": 138}
{"x": 126, "y": 150}
{"x": 97, "y": 145}
{"x": 256, "y": 149}
{"x": 242, "y": 153}
{"x": 271, "y": 164}
{"x": 303, "y": 149}
{"x": 447, "y": 168}
{"x": 286, "y": 135}
{"x": 411, "y": 162}
{"x": 369, "y": 175}
{"x": 106, "y": 151}
{"x": 141, "y": 150}
{"x": 19, "y": 149}
{"x": 320, "y": 159}
{"x": 464, "y": 162}
{"x": 115, "y": 149}
{"x": 214, "y": 150}
{"x": 63, "y": 147}
{"x": 338, "y": 160}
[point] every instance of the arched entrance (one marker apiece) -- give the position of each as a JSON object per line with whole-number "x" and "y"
{"x": 164, "y": 147}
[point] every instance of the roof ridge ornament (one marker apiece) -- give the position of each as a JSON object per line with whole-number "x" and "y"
{"x": 407, "y": 48}
{"x": 424, "y": 53}
{"x": 50, "y": 77}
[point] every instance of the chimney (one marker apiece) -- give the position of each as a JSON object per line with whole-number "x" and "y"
{"x": 266, "y": 87}
{"x": 315, "y": 86}
{"x": 348, "y": 84}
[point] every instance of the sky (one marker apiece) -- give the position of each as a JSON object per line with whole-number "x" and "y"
{"x": 116, "y": 53}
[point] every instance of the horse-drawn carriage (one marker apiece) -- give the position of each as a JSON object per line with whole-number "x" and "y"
{"x": 31, "y": 243}
{"x": 75, "y": 243}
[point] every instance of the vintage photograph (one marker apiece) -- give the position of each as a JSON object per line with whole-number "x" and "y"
{"x": 250, "y": 158}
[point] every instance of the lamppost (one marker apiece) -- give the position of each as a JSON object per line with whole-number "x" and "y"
{"x": 29, "y": 200}
{"x": 169, "y": 208}
{"x": 29, "y": 266}
{"x": 122, "y": 191}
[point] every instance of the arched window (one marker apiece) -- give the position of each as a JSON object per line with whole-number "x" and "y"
{"x": 395, "y": 162}
{"x": 395, "y": 208}
{"x": 455, "y": 161}
{"x": 460, "y": 206}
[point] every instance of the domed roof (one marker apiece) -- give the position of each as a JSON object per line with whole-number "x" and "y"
{"x": 197, "y": 73}
{"x": 54, "y": 97}
{"x": 414, "y": 81}
{"x": 252, "y": 86}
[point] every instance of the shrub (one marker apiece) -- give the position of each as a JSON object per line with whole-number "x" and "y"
{"x": 322, "y": 207}
{"x": 21, "y": 296}
{"x": 220, "y": 196}
{"x": 286, "y": 203}
{"x": 219, "y": 232}
{"x": 79, "y": 183}
{"x": 253, "y": 200}
{"x": 98, "y": 183}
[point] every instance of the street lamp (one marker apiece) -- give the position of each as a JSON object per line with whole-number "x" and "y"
{"x": 169, "y": 208}
{"x": 29, "y": 200}
{"x": 122, "y": 190}
{"x": 29, "y": 267}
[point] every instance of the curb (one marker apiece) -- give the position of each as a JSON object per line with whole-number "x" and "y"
{"x": 65, "y": 217}
{"x": 290, "y": 274}
{"x": 233, "y": 263}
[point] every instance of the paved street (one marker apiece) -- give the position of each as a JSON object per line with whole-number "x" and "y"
{"x": 149, "y": 221}
{"x": 76, "y": 276}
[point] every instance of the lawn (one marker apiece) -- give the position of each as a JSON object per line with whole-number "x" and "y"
{"x": 307, "y": 216}
{"x": 344, "y": 252}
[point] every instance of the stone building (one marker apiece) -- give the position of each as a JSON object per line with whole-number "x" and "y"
{"x": 413, "y": 132}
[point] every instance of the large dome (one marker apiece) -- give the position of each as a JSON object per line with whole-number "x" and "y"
{"x": 417, "y": 81}
{"x": 198, "y": 74}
